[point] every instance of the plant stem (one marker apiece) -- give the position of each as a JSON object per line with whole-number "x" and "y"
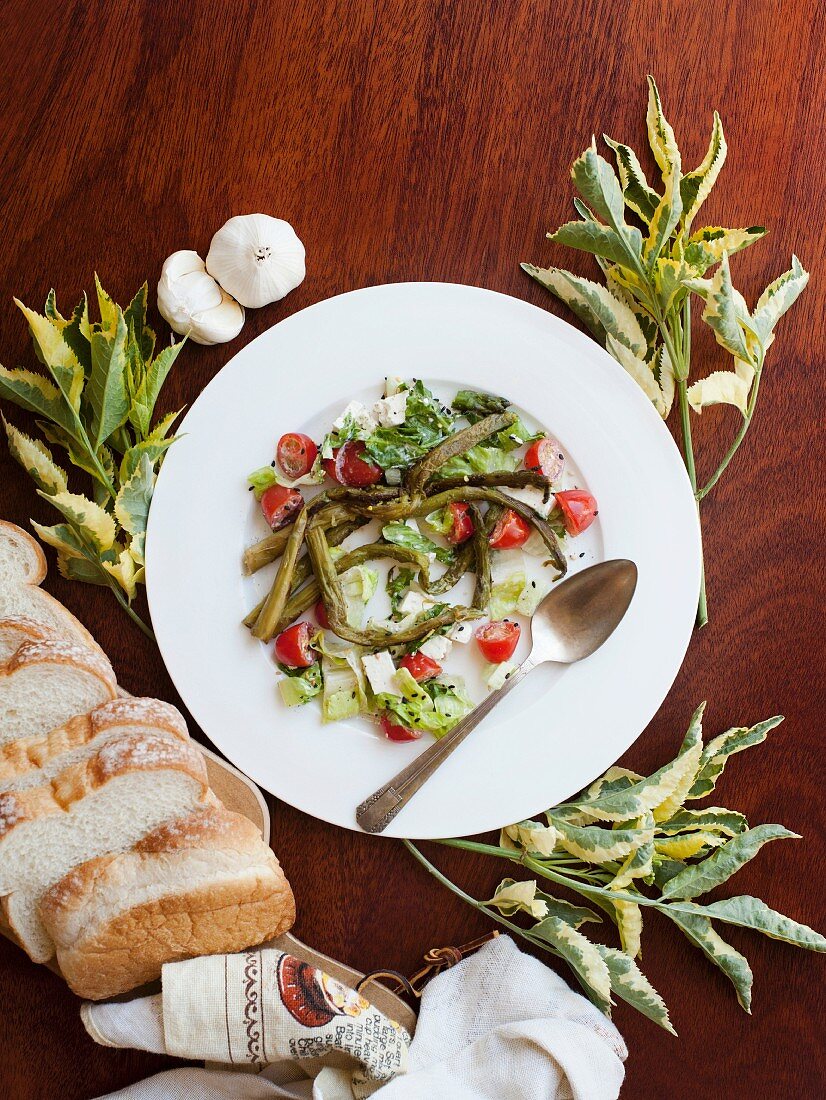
{"x": 738, "y": 439}
{"x": 133, "y": 615}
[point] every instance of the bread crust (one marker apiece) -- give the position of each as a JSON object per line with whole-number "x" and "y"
{"x": 26, "y": 754}
{"x": 60, "y": 651}
{"x": 33, "y": 576}
{"x": 103, "y": 952}
{"x": 141, "y": 752}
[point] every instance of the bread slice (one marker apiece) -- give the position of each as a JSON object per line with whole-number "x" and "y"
{"x": 203, "y": 884}
{"x": 33, "y": 761}
{"x": 46, "y": 683}
{"x": 18, "y": 631}
{"x": 22, "y": 568}
{"x": 101, "y": 805}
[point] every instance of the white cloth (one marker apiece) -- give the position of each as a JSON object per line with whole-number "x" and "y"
{"x": 498, "y": 1026}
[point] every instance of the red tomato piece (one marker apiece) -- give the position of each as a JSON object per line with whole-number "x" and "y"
{"x": 462, "y": 527}
{"x": 579, "y": 509}
{"x": 279, "y": 504}
{"x": 510, "y": 531}
{"x": 545, "y": 455}
{"x": 420, "y": 666}
{"x": 292, "y": 646}
{"x": 348, "y": 466}
{"x": 321, "y": 615}
{"x": 497, "y": 640}
{"x": 394, "y": 732}
{"x": 296, "y": 454}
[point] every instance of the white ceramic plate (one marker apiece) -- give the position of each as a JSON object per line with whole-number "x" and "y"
{"x": 563, "y": 726}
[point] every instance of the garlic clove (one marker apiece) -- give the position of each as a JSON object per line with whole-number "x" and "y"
{"x": 219, "y": 323}
{"x": 256, "y": 258}
{"x": 193, "y": 304}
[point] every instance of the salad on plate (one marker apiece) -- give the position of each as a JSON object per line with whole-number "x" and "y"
{"x": 413, "y": 527}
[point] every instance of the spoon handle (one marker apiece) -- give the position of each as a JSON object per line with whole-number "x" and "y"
{"x": 377, "y": 811}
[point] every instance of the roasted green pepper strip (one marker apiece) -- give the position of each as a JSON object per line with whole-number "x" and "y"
{"x": 469, "y": 494}
{"x": 336, "y": 605}
{"x": 310, "y": 594}
{"x": 455, "y": 444}
{"x": 481, "y": 554}
{"x": 304, "y": 567}
{"x": 274, "y": 604}
{"x": 516, "y": 479}
{"x": 453, "y": 574}
{"x": 265, "y": 551}
{"x": 372, "y": 495}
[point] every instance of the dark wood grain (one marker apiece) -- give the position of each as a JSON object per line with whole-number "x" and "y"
{"x": 414, "y": 139}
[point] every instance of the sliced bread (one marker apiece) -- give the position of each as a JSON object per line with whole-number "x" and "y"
{"x": 17, "y": 631}
{"x": 46, "y": 683}
{"x": 101, "y": 805}
{"x": 22, "y": 568}
{"x": 203, "y": 884}
{"x": 33, "y": 761}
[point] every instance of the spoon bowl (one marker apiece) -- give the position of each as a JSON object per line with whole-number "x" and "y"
{"x": 573, "y": 621}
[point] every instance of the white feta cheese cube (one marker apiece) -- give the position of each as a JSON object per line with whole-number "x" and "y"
{"x": 461, "y": 632}
{"x": 436, "y": 648}
{"x": 392, "y": 384}
{"x": 362, "y": 416}
{"x": 390, "y": 411}
{"x": 414, "y": 602}
{"x": 532, "y": 496}
{"x": 381, "y": 672}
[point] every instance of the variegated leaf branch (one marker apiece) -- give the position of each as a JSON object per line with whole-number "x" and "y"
{"x": 630, "y": 843}
{"x": 652, "y": 260}
{"x": 96, "y": 402}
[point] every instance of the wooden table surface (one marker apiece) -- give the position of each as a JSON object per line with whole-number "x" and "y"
{"x": 414, "y": 139}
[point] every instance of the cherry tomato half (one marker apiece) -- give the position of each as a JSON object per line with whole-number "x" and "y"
{"x": 579, "y": 509}
{"x": 292, "y": 646}
{"x": 498, "y": 640}
{"x": 321, "y": 615}
{"x": 462, "y": 527}
{"x": 296, "y": 454}
{"x": 545, "y": 455}
{"x": 510, "y": 531}
{"x": 279, "y": 504}
{"x": 420, "y": 666}
{"x": 349, "y": 467}
{"x": 394, "y": 732}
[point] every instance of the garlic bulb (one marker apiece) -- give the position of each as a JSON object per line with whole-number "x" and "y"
{"x": 193, "y": 303}
{"x": 258, "y": 259}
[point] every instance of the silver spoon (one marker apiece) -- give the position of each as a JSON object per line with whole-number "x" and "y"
{"x": 571, "y": 623}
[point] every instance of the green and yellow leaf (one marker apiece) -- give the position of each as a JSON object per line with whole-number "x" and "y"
{"x": 143, "y": 405}
{"x": 580, "y": 954}
{"x": 695, "y": 186}
{"x": 93, "y": 522}
{"x": 36, "y": 459}
{"x": 638, "y": 195}
{"x": 723, "y": 387}
{"x": 63, "y": 538}
{"x": 665, "y": 376}
{"x": 777, "y": 298}
{"x": 749, "y": 912}
{"x": 110, "y": 312}
{"x": 720, "y": 748}
{"x": 81, "y": 569}
{"x": 125, "y": 572}
{"x": 631, "y": 985}
{"x": 513, "y": 897}
{"x": 642, "y": 372}
{"x": 36, "y": 394}
{"x": 725, "y": 862}
{"x": 593, "y": 844}
{"x": 598, "y": 185}
{"x": 533, "y": 837}
{"x": 608, "y": 315}
{"x": 106, "y": 391}
{"x": 706, "y": 246}
{"x": 699, "y": 930}
{"x": 713, "y": 819}
{"x": 132, "y": 504}
{"x": 629, "y": 923}
{"x": 592, "y": 237}
{"x": 153, "y": 449}
{"x": 660, "y": 135}
{"x": 724, "y": 311}
{"x": 683, "y": 847}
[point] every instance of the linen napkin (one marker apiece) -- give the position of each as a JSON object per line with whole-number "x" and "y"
{"x": 498, "y": 1026}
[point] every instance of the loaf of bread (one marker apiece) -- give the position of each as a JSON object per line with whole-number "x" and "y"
{"x": 205, "y": 883}
{"x": 114, "y": 852}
